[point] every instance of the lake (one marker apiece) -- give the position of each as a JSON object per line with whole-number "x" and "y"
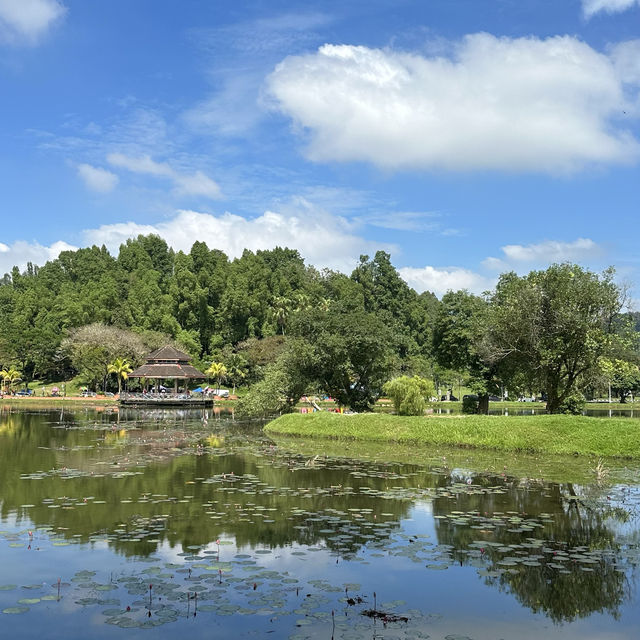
{"x": 198, "y": 524}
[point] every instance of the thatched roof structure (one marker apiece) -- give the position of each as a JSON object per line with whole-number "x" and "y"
{"x": 167, "y": 363}
{"x": 168, "y": 354}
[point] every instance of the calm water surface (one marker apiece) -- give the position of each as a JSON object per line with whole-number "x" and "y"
{"x": 197, "y": 524}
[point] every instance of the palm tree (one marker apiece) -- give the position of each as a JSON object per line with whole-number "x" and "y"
{"x": 218, "y": 371}
{"x": 280, "y": 310}
{"x": 10, "y": 376}
{"x": 122, "y": 369}
{"x": 302, "y": 302}
{"x": 237, "y": 369}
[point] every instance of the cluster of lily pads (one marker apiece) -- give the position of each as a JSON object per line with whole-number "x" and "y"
{"x": 204, "y": 587}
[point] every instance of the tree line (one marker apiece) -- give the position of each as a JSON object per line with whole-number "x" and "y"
{"x": 269, "y": 321}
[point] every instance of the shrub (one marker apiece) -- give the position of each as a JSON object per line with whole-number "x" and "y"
{"x": 408, "y": 394}
{"x": 573, "y": 404}
{"x": 470, "y": 404}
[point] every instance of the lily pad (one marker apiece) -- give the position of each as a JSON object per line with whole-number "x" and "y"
{"x": 15, "y": 610}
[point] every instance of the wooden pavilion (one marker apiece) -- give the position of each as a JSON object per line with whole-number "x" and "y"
{"x": 166, "y": 363}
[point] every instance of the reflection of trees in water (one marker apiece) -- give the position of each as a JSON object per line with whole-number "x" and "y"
{"x": 565, "y": 597}
{"x": 577, "y": 528}
{"x": 258, "y": 481}
{"x": 222, "y": 492}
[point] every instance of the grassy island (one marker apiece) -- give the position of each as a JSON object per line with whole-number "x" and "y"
{"x": 614, "y": 437}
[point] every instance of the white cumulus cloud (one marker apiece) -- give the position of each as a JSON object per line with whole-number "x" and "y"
{"x": 21, "y": 252}
{"x": 439, "y": 280}
{"x": 514, "y": 257}
{"x": 591, "y": 7}
{"x": 322, "y": 239}
{"x": 97, "y": 179}
{"x": 26, "y": 21}
{"x": 196, "y": 184}
{"x": 517, "y": 255}
{"x": 514, "y": 104}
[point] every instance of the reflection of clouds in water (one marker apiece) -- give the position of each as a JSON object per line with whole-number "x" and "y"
{"x": 171, "y": 553}
{"x": 421, "y": 521}
{"x": 312, "y": 564}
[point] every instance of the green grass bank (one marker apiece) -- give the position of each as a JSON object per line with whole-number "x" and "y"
{"x": 556, "y": 434}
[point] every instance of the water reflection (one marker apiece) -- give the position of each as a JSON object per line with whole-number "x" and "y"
{"x": 141, "y": 481}
{"x": 556, "y": 551}
{"x": 88, "y": 479}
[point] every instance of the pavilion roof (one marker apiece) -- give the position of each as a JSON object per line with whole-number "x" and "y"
{"x": 167, "y": 362}
{"x": 168, "y": 353}
{"x": 166, "y": 370}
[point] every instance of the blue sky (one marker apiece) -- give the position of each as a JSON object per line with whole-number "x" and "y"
{"x": 465, "y": 137}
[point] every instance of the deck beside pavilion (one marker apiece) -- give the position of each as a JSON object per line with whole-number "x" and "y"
{"x": 194, "y": 400}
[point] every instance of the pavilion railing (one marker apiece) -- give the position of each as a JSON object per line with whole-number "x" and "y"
{"x": 163, "y": 397}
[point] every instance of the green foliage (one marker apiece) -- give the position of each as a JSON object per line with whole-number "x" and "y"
{"x": 122, "y": 368}
{"x": 548, "y": 331}
{"x": 408, "y": 394}
{"x": 9, "y": 377}
{"x": 218, "y": 372}
{"x": 352, "y": 354}
{"x": 385, "y": 294}
{"x": 470, "y": 404}
{"x": 623, "y": 376}
{"x": 573, "y": 404}
{"x": 259, "y": 354}
{"x": 237, "y": 367}
{"x": 285, "y": 381}
{"x": 553, "y": 327}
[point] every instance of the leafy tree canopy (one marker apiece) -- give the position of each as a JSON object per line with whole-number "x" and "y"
{"x": 553, "y": 327}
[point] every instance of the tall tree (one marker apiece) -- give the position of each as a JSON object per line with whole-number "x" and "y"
{"x": 353, "y": 354}
{"x": 553, "y": 327}
{"x": 460, "y": 326}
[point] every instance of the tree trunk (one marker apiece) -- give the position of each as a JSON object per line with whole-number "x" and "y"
{"x": 553, "y": 401}
{"x": 483, "y": 404}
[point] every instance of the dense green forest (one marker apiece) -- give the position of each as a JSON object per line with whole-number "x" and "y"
{"x": 268, "y": 321}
